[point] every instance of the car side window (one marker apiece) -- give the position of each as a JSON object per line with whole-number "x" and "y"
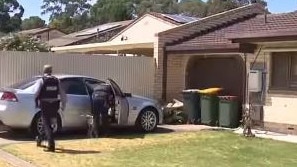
{"x": 73, "y": 86}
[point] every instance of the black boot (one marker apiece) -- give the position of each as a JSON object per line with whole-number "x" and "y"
{"x": 50, "y": 149}
{"x": 38, "y": 141}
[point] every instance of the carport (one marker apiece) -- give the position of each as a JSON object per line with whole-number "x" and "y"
{"x": 201, "y": 69}
{"x": 225, "y": 71}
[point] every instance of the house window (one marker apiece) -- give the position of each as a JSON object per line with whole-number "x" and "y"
{"x": 284, "y": 71}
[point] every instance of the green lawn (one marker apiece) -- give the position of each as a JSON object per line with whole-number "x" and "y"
{"x": 207, "y": 148}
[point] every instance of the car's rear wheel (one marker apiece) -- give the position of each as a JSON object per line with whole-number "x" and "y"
{"x": 37, "y": 127}
{"x": 147, "y": 120}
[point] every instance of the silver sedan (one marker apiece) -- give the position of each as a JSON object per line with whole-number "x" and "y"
{"x": 17, "y": 107}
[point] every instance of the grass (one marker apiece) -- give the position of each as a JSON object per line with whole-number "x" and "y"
{"x": 207, "y": 148}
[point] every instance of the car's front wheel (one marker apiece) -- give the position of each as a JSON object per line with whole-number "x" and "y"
{"x": 147, "y": 120}
{"x": 37, "y": 127}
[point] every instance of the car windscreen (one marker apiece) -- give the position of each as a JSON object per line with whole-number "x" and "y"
{"x": 24, "y": 84}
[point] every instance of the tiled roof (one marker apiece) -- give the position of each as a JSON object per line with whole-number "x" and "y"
{"x": 220, "y": 31}
{"x": 35, "y": 31}
{"x": 77, "y": 37}
{"x": 209, "y": 25}
{"x": 257, "y": 24}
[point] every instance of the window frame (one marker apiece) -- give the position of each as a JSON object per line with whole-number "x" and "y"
{"x": 289, "y": 72}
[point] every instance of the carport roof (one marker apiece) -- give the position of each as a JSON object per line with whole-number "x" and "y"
{"x": 111, "y": 47}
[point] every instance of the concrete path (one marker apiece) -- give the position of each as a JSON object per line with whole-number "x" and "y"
{"x": 183, "y": 128}
{"x": 258, "y": 133}
{"x": 13, "y": 160}
{"x": 271, "y": 135}
{"x": 8, "y": 138}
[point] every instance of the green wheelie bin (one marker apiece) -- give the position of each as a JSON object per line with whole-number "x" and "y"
{"x": 191, "y": 100}
{"x": 209, "y": 109}
{"x": 228, "y": 111}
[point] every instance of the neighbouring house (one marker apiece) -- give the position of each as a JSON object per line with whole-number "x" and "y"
{"x": 100, "y": 33}
{"x": 221, "y": 51}
{"x": 137, "y": 38}
{"x": 43, "y": 34}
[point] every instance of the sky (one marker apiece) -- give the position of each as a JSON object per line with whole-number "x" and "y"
{"x": 32, "y": 7}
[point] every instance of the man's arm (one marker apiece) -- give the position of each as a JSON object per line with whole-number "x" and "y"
{"x": 63, "y": 97}
{"x": 37, "y": 92}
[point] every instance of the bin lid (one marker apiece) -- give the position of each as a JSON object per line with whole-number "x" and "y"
{"x": 191, "y": 91}
{"x": 210, "y": 90}
{"x": 228, "y": 98}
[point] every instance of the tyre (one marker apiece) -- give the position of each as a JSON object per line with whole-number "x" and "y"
{"x": 36, "y": 127}
{"x": 147, "y": 120}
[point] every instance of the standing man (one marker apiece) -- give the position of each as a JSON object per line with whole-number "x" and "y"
{"x": 101, "y": 99}
{"x": 48, "y": 98}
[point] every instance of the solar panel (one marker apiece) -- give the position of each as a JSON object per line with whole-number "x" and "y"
{"x": 180, "y": 18}
{"x": 97, "y": 29}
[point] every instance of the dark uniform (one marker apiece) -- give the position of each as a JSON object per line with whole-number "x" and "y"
{"x": 47, "y": 98}
{"x": 101, "y": 100}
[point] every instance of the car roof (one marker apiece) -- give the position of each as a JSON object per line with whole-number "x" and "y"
{"x": 62, "y": 76}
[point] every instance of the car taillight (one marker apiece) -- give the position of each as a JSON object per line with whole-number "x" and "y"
{"x": 9, "y": 96}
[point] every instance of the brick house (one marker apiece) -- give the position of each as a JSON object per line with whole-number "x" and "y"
{"x": 217, "y": 50}
{"x": 43, "y": 34}
{"x": 137, "y": 38}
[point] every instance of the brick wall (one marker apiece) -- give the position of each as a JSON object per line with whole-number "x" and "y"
{"x": 176, "y": 74}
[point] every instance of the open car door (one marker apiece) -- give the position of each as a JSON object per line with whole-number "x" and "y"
{"x": 121, "y": 103}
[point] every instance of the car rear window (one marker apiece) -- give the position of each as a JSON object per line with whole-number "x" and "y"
{"x": 24, "y": 84}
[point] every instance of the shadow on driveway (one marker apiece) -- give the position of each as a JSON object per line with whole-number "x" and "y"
{"x": 115, "y": 132}
{"x": 70, "y": 151}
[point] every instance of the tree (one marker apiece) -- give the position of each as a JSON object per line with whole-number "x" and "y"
{"x": 32, "y": 22}
{"x": 69, "y": 25}
{"x": 245, "y": 2}
{"x": 168, "y": 6}
{"x": 160, "y": 6}
{"x": 11, "y": 13}
{"x": 71, "y": 8}
{"x": 112, "y": 10}
{"x": 67, "y": 15}
{"x": 195, "y": 8}
{"x": 22, "y": 43}
{"x": 217, "y": 6}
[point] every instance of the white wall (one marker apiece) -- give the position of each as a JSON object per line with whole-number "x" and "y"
{"x": 145, "y": 29}
{"x": 133, "y": 74}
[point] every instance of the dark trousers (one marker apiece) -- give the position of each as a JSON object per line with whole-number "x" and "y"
{"x": 49, "y": 112}
{"x": 100, "y": 114}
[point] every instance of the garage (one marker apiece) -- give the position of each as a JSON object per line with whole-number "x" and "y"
{"x": 226, "y": 72}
